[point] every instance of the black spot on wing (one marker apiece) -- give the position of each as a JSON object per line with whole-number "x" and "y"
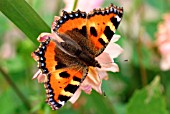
{"x": 64, "y": 74}
{"x": 63, "y": 98}
{"x": 93, "y": 31}
{"x": 71, "y": 88}
{"x": 102, "y": 41}
{"x": 108, "y": 33}
{"x": 60, "y": 65}
{"x": 57, "y": 105}
{"x": 76, "y": 79}
{"x": 83, "y": 31}
{"x": 114, "y": 21}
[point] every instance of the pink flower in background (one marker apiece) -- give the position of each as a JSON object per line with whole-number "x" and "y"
{"x": 163, "y": 42}
{"x": 83, "y": 5}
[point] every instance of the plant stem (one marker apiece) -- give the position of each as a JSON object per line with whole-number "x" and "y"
{"x": 140, "y": 58}
{"x": 75, "y": 4}
{"x": 15, "y": 88}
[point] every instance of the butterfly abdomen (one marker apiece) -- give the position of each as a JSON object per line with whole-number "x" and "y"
{"x": 89, "y": 61}
{"x": 76, "y": 50}
{"x": 79, "y": 54}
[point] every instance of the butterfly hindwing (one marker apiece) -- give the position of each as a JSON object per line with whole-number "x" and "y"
{"x": 64, "y": 73}
{"x": 62, "y": 84}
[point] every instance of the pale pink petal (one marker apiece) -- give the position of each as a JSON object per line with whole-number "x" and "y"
{"x": 43, "y": 36}
{"x": 114, "y": 68}
{"x": 114, "y": 50}
{"x": 92, "y": 76}
{"x": 93, "y": 80}
{"x": 102, "y": 74}
{"x": 84, "y": 5}
{"x": 69, "y": 5}
{"x": 35, "y": 57}
{"x": 75, "y": 96}
{"x": 163, "y": 42}
{"x": 36, "y": 74}
{"x": 107, "y": 63}
{"x": 115, "y": 38}
{"x": 86, "y": 88}
{"x": 165, "y": 63}
{"x": 165, "y": 48}
{"x": 40, "y": 77}
{"x": 104, "y": 59}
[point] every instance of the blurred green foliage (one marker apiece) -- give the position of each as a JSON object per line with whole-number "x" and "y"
{"x": 126, "y": 91}
{"x": 148, "y": 100}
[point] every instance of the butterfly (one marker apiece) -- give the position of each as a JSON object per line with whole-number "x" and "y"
{"x": 65, "y": 63}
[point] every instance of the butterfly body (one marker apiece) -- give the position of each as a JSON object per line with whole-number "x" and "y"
{"x": 76, "y": 50}
{"x": 65, "y": 64}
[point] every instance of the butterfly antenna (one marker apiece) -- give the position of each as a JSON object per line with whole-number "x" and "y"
{"x": 107, "y": 63}
{"x": 126, "y": 60}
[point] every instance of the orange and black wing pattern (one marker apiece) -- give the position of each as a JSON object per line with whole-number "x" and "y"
{"x": 93, "y": 30}
{"x": 71, "y": 21}
{"x": 62, "y": 84}
{"x": 101, "y": 26}
{"x": 89, "y": 33}
{"x": 64, "y": 73}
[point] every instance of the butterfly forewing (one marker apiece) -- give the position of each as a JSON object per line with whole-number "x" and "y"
{"x": 92, "y": 31}
{"x": 70, "y": 21}
{"x": 101, "y": 26}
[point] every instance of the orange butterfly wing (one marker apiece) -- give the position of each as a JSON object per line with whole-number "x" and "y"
{"x": 70, "y": 21}
{"x": 64, "y": 73}
{"x": 62, "y": 84}
{"x": 101, "y": 26}
{"x": 92, "y": 31}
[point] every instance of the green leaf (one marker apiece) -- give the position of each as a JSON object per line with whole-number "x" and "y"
{"x": 99, "y": 104}
{"x": 151, "y": 27}
{"x": 24, "y": 17}
{"x": 10, "y": 103}
{"x": 148, "y": 100}
{"x": 161, "y": 5}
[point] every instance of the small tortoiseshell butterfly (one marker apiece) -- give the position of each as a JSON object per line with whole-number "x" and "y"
{"x": 65, "y": 64}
